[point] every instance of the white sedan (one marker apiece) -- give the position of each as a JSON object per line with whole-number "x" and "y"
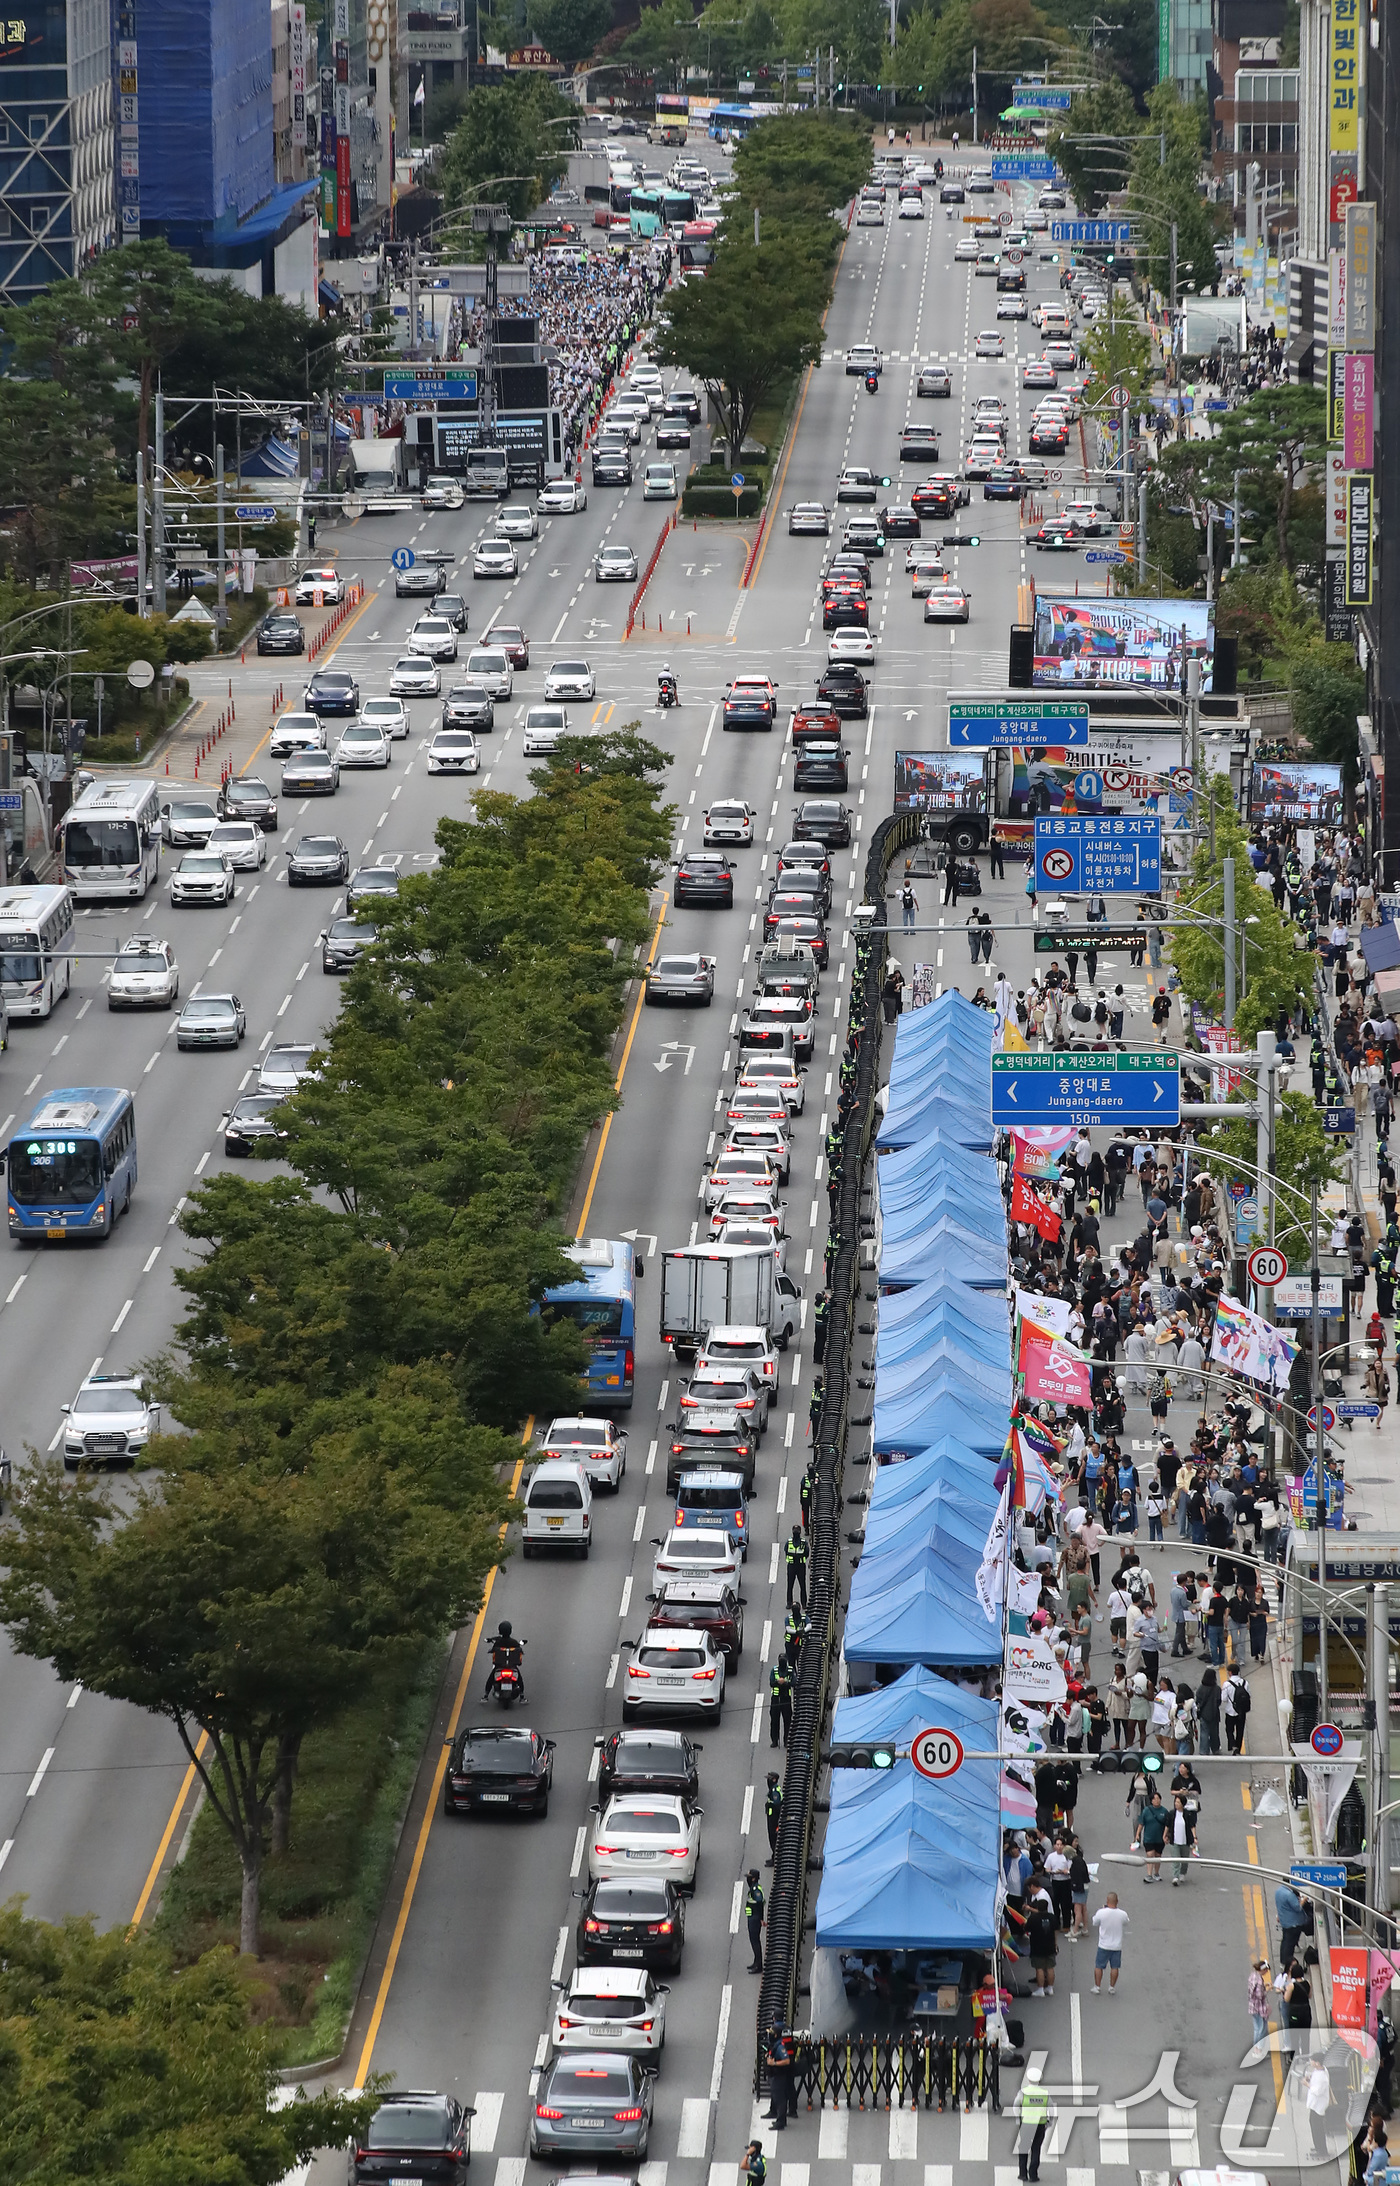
{"x": 597, "y": 1444}
{"x": 570, "y": 679}
{"x": 145, "y": 975}
{"x": 415, "y": 676}
{"x": 850, "y": 645}
{"x": 454, "y": 751}
{"x": 613, "y": 2007}
{"x": 388, "y": 714}
{"x": 433, "y": 635}
{"x": 675, "y": 1666}
{"x": 242, "y": 842}
{"x": 327, "y": 581}
{"x": 563, "y": 497}
{"x": 517, "y": 522}
{"x": 948, "y": 603}
{"x": 689, "y": 1552}
{"x": 362, "y": 744}
{"x": 495, "y": 558}
{"x": 641, "y": 1835}
{"x": 911, "y": 208}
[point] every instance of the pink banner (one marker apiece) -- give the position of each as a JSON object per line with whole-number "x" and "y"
{"x": 1358, "y": 411}
{"x": 1051, "y": 1373}
{"x": 121, "y": 570}
{"x": 1349, "y": 1986}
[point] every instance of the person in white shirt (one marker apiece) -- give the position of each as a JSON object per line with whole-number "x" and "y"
{"x": 1110, "y": 1921}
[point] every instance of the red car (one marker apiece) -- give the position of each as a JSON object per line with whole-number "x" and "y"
{"x": 512, "y": 641}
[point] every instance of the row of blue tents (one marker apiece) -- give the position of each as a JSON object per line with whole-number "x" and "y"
{"x": 911, "y": 1864}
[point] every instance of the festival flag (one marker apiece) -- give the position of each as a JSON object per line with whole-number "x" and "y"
{"x": 1251, "y": 1345}
{"x": 991, "y": 1572}
{"x": 1038, "y": 1437}
{"x": 1055, "y": 1373}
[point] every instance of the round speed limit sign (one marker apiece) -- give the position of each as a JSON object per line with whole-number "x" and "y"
{"x": 936, "y": 1753}
{"x": 1267, "y": 1266}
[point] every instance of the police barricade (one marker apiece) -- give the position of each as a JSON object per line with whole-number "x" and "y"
{"x": 908, "y": 2071}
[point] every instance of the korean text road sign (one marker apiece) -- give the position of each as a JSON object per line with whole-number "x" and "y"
{"x": 936, "y": 1753}
{"x": 11, "y": 800}
{"x": 1021, "y": 167}
{"x": 1088, "y": 231}
{"x": 1344, "y": 1411}
{"x": 413, "y": 387}
{"x": 1325, "y": 1874}
{"x": 1326, "y": 1740}
{"x": 1099, "y": 855}
{"x": 1132, "y": 1088}
{"x": 998, "y": 721}
{"x": 1115, "y": 555}
{"x": 1085, "y": 940}
{"x": 254, "y": 512}
{"x": 403, "y": 557}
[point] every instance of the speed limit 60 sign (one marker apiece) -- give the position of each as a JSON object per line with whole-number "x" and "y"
{"x": 1267, "y": 1266}
{"x": 936, "y": 1753}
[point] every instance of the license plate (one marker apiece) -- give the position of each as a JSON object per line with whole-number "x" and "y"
{"x": 643, "y": 1855}
{"x": 629, "y": 1954}
{"x": 552, "y": 1523}
{"x": 53, "y": 1233}
{"x": 670, "y": 1681}
{"x": 496, "y": 1798}
{"x": 605, "y": 2030}
{"x": 587, "y": 2125}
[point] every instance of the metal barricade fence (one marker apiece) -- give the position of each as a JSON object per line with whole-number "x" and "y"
{"x": 908, "y": 2071}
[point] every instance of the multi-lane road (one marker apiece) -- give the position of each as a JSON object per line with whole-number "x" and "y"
{"x": 87, "y": 1788}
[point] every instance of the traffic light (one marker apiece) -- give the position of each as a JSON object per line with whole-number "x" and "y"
{"x": 879, "y": 1755}
{"x": 1150, "y": 1763}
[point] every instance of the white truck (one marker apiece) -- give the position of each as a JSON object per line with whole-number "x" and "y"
{"x": 724, "y": 1286}
{"x": 377, "y": 467}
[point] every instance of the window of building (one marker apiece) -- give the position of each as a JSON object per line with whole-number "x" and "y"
{"x": 4, "y": 223}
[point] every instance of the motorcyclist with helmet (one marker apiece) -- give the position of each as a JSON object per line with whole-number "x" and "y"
{"x": 507, "y": 1653}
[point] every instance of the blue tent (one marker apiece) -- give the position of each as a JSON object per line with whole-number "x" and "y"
{"x": 935, "y": 1162}
{"x": 918, "y": 1620}
{"x": 943, "y": 1340}
{"x": 950, "y": 1016}
{"x": 914, "y": 1410}
{"x": 941, "y": 1510}
{"x": 945, "y": 1243}
{"x": 915, "y": 1110}
{"x": 946, "y": 1199}
{"x": 907, "y": 1308}
{"x": 897, "y": 1484}
{"x": 907, "y": 1892}
{"x": 945, "y": 1323}
{"x": 962, "y": 1812}
{"x": 914, "y": 1702}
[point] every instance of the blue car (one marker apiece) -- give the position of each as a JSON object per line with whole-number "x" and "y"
{"x": 715, "y": 1501}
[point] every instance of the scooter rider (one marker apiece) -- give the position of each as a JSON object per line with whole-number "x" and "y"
{"x": 666, "y": 690}
{"x": 507, "y": 1653}
{"x": 872, "y": 381}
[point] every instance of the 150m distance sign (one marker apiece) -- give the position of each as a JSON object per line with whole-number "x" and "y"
{"x": 1133, "y": 1088}
{"x": 999, "y": 722}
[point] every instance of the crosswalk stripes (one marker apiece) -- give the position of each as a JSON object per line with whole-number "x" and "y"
{"x": 651, "y": 2174}
{"x": 974, "y": 2136}
{"x": 486, "y": 2123}
{"x": 510, "y": 2171}
{"x": 695, "y": 2126}
{"x": 832, "y": 2135}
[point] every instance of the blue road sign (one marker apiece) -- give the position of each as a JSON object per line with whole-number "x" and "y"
{"x": 403, "y": 557}
{"x": 409, "y": 387}
{"x": 1326, "y": 1740}
{"x": 1056, "y": 101}
{"x": 1002, "y": 722}
{"x": 254, "y": 512}
{"x": 1344, "y": 1411}
{"x": 1088, "y": 231}
{"x": 11, "y": 800}
{"x": 736, "y": 480}
{"x": 1106, "y": 554}
{"x": 1339, "y": 1122}
{"x": 1327, "y": 1874}
{"x": 1020, "y": 167}
{"x": 1119, "y": 1089}
{"x": 1113, "y": 854}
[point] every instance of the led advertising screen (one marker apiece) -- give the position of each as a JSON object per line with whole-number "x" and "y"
{"x": 1084, "y": 641}
{"x": 938, "y": 781}
{"x": 1299, "y": 790}
{"x": 1123, "y": 777}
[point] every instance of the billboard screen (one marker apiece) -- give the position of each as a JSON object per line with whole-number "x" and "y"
{"x": 939, "y": 781}
{"x": 1085, "y": 641}
{"x": 1125, "y": 777}
{"x": 1299, "y": 790}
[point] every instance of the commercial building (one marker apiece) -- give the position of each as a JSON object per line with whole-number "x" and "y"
{"x": 1184, "y": 44}
{"x": 57, "y": 194}
{"x": 356, "y": 81}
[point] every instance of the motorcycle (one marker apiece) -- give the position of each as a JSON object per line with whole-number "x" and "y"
{"x": 872, "y": 382}
{"x": 508, "y": 1686}
{"x": 507, "y": 1680}
{"x": 666, "y": 691}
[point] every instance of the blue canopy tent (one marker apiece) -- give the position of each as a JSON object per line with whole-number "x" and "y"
{"x": 935, "y": 1161}
{"x": 906, "y": 1891}
{"x": 944, "y": 1198}
{"x": 962, "y": 1812}
{"x": 916, "y": 1109}
{"x": 972, "y": 1476}
{"x": 950, "y": 1016}
{"x": 914, "y": 1702}
{"x": 914, "y": 1410}
{"x": 944, "y": 1322}
{"x": 906, "y": 1308}
{"x": 940, "y": 1344}
{"x": 918, "y": 1619}
{"x": 942, "y": 1508}
{"x": 913, "y": 1256}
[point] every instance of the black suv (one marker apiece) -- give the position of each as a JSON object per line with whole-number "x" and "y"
{"x": 822, "y": 820}
{"x": 612, "y": 467}
{"x": 639, "y": 1922}
{"x": 704, "y": 876}
{"x": 710, "y": 1435}
{"x": 638, "y": 1760}
{"x": 415, "y": 2134}
{"x": 845, "y": 690}
{"x": 332, "y": 691}
{"x": 281, "y": 632}
{"x": 469, "y": 706}
{"x": 506, "y": 1771}
{"x": 820, "y": 765}
{"x": 246, "y": 798}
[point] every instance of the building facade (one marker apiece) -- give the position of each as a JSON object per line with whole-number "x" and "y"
{"x": 57, "y": 178}
{"x": 1184, "y": 44}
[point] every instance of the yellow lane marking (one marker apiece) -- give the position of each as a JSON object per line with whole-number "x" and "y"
{"x": 166, "y": 1834}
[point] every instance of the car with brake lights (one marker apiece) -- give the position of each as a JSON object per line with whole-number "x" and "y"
{"x": 1039, "y": 372}
{"x": 688, "y": 1553}
{"x": 636, "y": 1920}
{"x": 733, "y": 1382}
{"x": 704, "y": 876}
{"x": 990, "y": 344}
{"x": 144, "y": 975}
{"x": 639, "y": 1760}
{"x": 498, "y": 1770}
{"x": 855, "y": 645}
{"x": 1058, "y": 535}
{"x": 716, "y": 1437}
{"x": 1003, "y": 483}
{"x": 680, "y": 979}
{"x": 822, "y": 820}
{"x": 1048, "y": 436}
{"x": 414, "y": 2136}
{"x": 778, "y": 1074}
{"x": 1011, "y": 307}
{"x": 934, "y": 381}
{"x": 804, "y": 928}
{"x": 598, "y": 1444}
{"x": 749, "y": 703}
{"x": 948, "y": 603}
{"x": 1091, "y": 519}
{"x": 934, "y": 497}
{"x": 927, "y": 575}
{"x": 844, "y": 606}
{"x": 620, "y": 2006}
{"x": 109, "y": 1421}
{"x": 670, "y": 1667}
{"x": 900, "y": 521}
{"x": 845, "y": 691}
{"x": 751, "y": 1172}
{"x": 729, "y": 820}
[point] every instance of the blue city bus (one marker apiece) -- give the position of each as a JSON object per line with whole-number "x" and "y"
{"x": 72, "y": 1164}
{"x": 644, "y": 212}
{"x": 602, "y": 1306}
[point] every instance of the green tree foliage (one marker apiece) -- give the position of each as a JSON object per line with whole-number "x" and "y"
{"x": 667, "y": 37}
{"x": 1277, "y": 435}
{"x": 1094, "y": 162}
{"x": 753, "y": 321}
{"x": 1117, "y": 351}
{"x": 1270, "y": 967}
{"x": 1009, "y": 35}
{"x": 504, "y": 133}
{"x": 1329, "y": 691}
{"x": 58, "y": 475}
{"x": 857, "y": 31}
{"x": 1165, "y": 186}
{"x": 113, "y": 2063}
{"x": 570, "y": 29}
{"x": 799, "y": 166}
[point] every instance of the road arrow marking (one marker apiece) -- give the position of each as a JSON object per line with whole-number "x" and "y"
{"x": 670, "y": 1049}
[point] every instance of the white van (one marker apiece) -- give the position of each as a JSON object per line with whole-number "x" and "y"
{"x": 558, "y": 1507}
{"x": 544, "y": 725}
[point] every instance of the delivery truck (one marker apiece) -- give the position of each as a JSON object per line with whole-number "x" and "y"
{"x": 725, "y": 1286}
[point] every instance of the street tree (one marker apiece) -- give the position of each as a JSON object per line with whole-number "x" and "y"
{"x": 502, "y": 151}
{"x": 150, "y": 302}
{"x": 570, "y": 29}
{"x": 1271, "y": 969}
{"x": 1089, "y": 146}
{"x": 1329, "y": 691}
{"x": 802, "y": 166}
{"x": 1117, "y": 351}
{"x": 1303, "y": 1156}
{"x": 117, "y": 2063}
{"x": 1280, "y": 432}
{"x": 753, "y": 321}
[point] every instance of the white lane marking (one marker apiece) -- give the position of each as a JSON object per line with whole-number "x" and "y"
{"x": 154, "y": 1256}
{"x": 579, "y": 1841}
{"x": 612, "y": 1672}
{"x": 486, "y": 2122}
{"x": 559, "y": 1949}
{"x": 58, "y": 1436}
{"x": 40, "y": 1772}
{"x": 122, "y": 1315}
{"x": 747, "y": 1815}
{"x": 62, "y": 1043}
{"x": 75, "y": 1696}
{"x": 695, "y": 2126}
{"x": 726, "y": 1998}
{"x": 199, "y": 1165}
{"x": 15, "y": 1287}
{"x": 773, "y": 1566}
{"x": 735, "y": 1904}
{"x": 6, "y": 1849}
{"x": 626, "y": 1601}
{"x": 641, "y": 1520}
{"x": 84, "y": 1010}
{"x": 767, "y": 1639}
{"x": 757, "y": 1718}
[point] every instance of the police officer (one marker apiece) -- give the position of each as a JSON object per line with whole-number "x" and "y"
{"x": 779, "y": 1700}
{"x": 755, "y": 2164}
{"x": 773, "y": 1813}
{"x": 806, "y": 1492}
{"x": 1035, "y": 2108}
{"x": 819, "y": 1313}
{"x": 1384, "y": 1264}
{"x": 753, "y": 1914}
{"x": 779, "y": 2059}
{"x": 794, "y": 1634}
{"x": 795, "y": 1551}
{"x": 311, "y": 534}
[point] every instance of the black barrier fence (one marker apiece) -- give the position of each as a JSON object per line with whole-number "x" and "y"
{"x": 811, "y": 1695}
{"x": 908, "y": 2071}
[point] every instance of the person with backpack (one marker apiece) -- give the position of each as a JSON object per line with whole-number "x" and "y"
{"x": 1237, "y": 1706}
{"x": 908, "y": 905}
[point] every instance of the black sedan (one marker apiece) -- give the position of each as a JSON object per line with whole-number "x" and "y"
{"x": 845, "y": 610}
{"x": 454, "y": 607}
{"x": 498, "y": 1771}
{"x": 248, "y": 798}
{"x": 820, "y": 765}
{"x": 332, "y": 691}
{"x": 249, "y": 1128}
{"x": 806, "y": 854}
{"x": 414, "y": 2135}
{"x": 705, "y": 876}
{"x": 1061, "y": 535}
{"x": 639, "y": 1923}
{"x": 846, "y": 691}
{"x": 822, "y": 820}
{"x": 932, "y": 498}
{"x": 281, "y": 632}
{"x": 317, "y": 861}
{"x": 648, "y": 1761}
{"x": 901, "y": 522}
{"x": 469, "y": 706}
{"x": 343, "y": 942}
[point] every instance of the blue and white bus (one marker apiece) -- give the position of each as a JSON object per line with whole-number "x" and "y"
{"x": 36, "y": 948}
{"x": 602, "y": 1306}
{"x": 71, "y": 1164}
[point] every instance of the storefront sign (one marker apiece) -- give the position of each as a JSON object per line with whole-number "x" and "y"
{"x": 1360, "y": 514}
{"x": 1358, "y": 411}
{"x": 1359, "y": 260}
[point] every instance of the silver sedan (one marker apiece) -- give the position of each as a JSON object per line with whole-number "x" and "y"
{"x": 681, "y": 979}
